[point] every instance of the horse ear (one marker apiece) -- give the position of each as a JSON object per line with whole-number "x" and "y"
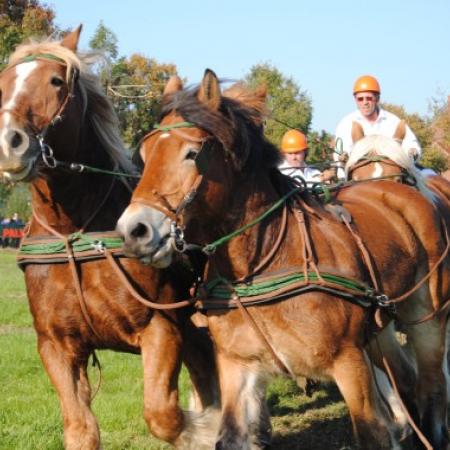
{"x": 261, "y": 92}
{"x": 357, "y": 132}
{"x": 209, "y": 92}
{"x": 71, "y": 39}
{"x": 400, "y": 131}
{"x": 174, "y": 84}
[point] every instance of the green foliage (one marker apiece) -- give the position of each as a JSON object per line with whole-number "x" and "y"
{"x": 21, "y": 19}
{"x": 432, "y": 156}
{"x": 105, "y": 41}
{"x": 435, "y": 159}
{"x": 320, "y": 147}
{"x": 441, "y": 121}
{"x": 135, "y": 88}
{"x": 289, "y": 106}
{"x": 18, "y": 201}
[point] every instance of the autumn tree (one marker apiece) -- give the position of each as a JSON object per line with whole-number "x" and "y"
{"x": 134, "y": 84}
{"x": 22, "y": 19}
{"x": 288, "y": 105}
{"x": 432, "y": 156}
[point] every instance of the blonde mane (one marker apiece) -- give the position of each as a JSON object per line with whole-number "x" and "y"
{"x": 377, "y": 145}
{"x": 96, "y": 104}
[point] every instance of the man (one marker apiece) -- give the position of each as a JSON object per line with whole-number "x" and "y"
{"x": 372, "y": 118}
{"x": 294, "y": 147}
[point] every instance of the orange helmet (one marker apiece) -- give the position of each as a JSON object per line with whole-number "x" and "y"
{"x": 293, "y": 141}
{"x": 366, "y": 83}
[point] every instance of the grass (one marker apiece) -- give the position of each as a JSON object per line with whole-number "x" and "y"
{"x": 29, "y": 408}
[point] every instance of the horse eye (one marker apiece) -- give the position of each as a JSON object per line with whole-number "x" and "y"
{"x": 56, "y": 81}
{"x": 191, "y": 154}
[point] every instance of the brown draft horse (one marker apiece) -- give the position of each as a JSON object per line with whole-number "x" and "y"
{"x": 209, "y": 170}
{"x": 52, "y": 104}
{"x": 378, "y": 156}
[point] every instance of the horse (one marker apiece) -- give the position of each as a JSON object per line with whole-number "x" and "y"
{"x": 210, "y": 177}
{"x": 378, "y": 156}
{"x": 55, "y": 123}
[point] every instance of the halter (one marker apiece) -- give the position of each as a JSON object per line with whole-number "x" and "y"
{"x": 174, "y": 213}
{"x": 46, "y": 150}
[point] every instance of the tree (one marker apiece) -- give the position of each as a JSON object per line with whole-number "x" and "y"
{"x": 105, "y": 41}
{"x": 288, "y": 105}
{"x": 432, "y": 156}
{"x": 19, "y": 201}
{"x": 320, "y": 147}
{"x": 21, "y": 19}
{"x": 136, "y": 85}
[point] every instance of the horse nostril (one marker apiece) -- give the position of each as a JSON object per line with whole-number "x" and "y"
{"x": 16, "y": 140}
{"x": 140, "y": 230}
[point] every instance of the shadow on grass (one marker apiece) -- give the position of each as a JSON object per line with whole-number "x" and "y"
{"x": 323, "y": 395}
{"x": 309, "y": 423}
{"x": 334, "y": 434}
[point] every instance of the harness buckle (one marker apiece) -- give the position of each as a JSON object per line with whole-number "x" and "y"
{"x": 177, "y": 234}
{"x": 384, "y": 302}
{"x": 98, "y": 246}
{"x": 47, "y": 153}
{"x": 77, "y": 167}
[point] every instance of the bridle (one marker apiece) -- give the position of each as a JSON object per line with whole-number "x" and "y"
{"x": 175, "y": 213}
{"x": 40, "y": 133}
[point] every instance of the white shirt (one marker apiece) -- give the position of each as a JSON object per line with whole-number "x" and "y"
{"x": 385, "y": 125}
{"x": 308, "y": 174}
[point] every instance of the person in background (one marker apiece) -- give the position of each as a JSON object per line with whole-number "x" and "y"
{"x": 16, "y": 233}
{"x": 6, "y": 232}
{"x": 372, "y": 118}
{"x": 294, "y": 147}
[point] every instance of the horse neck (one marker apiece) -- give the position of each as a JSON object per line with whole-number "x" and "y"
{"x": 237, "y": 258}
{"x": 67, "y": 201}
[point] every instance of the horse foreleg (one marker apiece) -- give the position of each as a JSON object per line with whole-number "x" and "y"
{"x": 161, "y": 358}
{"x": 245, "y": 423}
{"x": 353, "y": 377}
{"x": 68, "y": 372}
{"x": 199, "y": 358}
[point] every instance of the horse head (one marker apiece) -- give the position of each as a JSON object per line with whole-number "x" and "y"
{"x": 37, "y": 91}
{"x": 204, "y": 144}
{"x": 49, "y": 99}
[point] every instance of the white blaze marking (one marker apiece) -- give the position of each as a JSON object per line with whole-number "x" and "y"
{"x": 378, "y": 172}
{"x": 23, "y": 71}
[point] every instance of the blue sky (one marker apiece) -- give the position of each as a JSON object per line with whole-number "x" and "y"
{"x": 323, "y": 45}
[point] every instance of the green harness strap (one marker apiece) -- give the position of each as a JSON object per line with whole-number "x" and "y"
{"x": 80, "y": 242}
{"x": 222, "y": 289}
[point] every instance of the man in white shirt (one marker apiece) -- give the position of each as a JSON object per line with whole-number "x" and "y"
{"x": 372, "y": 118}
{"x": 294, "y": 147}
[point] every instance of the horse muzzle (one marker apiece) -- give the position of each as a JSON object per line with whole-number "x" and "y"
{"x": 146, "y": 234}
{"x": 17, "y": 154}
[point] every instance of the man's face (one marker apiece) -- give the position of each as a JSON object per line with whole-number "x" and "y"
{"x": 296, "y": 159}
{"x": 366, "y": 102}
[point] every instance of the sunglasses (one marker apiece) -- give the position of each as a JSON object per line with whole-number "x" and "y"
{"x": 367, "y": 99}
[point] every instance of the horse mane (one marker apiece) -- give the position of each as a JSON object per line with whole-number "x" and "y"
{"x": 237, "y": 124}
{"x": 96, "y": 105}
{"x": 390, "y": 148}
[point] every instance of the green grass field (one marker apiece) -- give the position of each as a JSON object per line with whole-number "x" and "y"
{"x": 29, "y": 409}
